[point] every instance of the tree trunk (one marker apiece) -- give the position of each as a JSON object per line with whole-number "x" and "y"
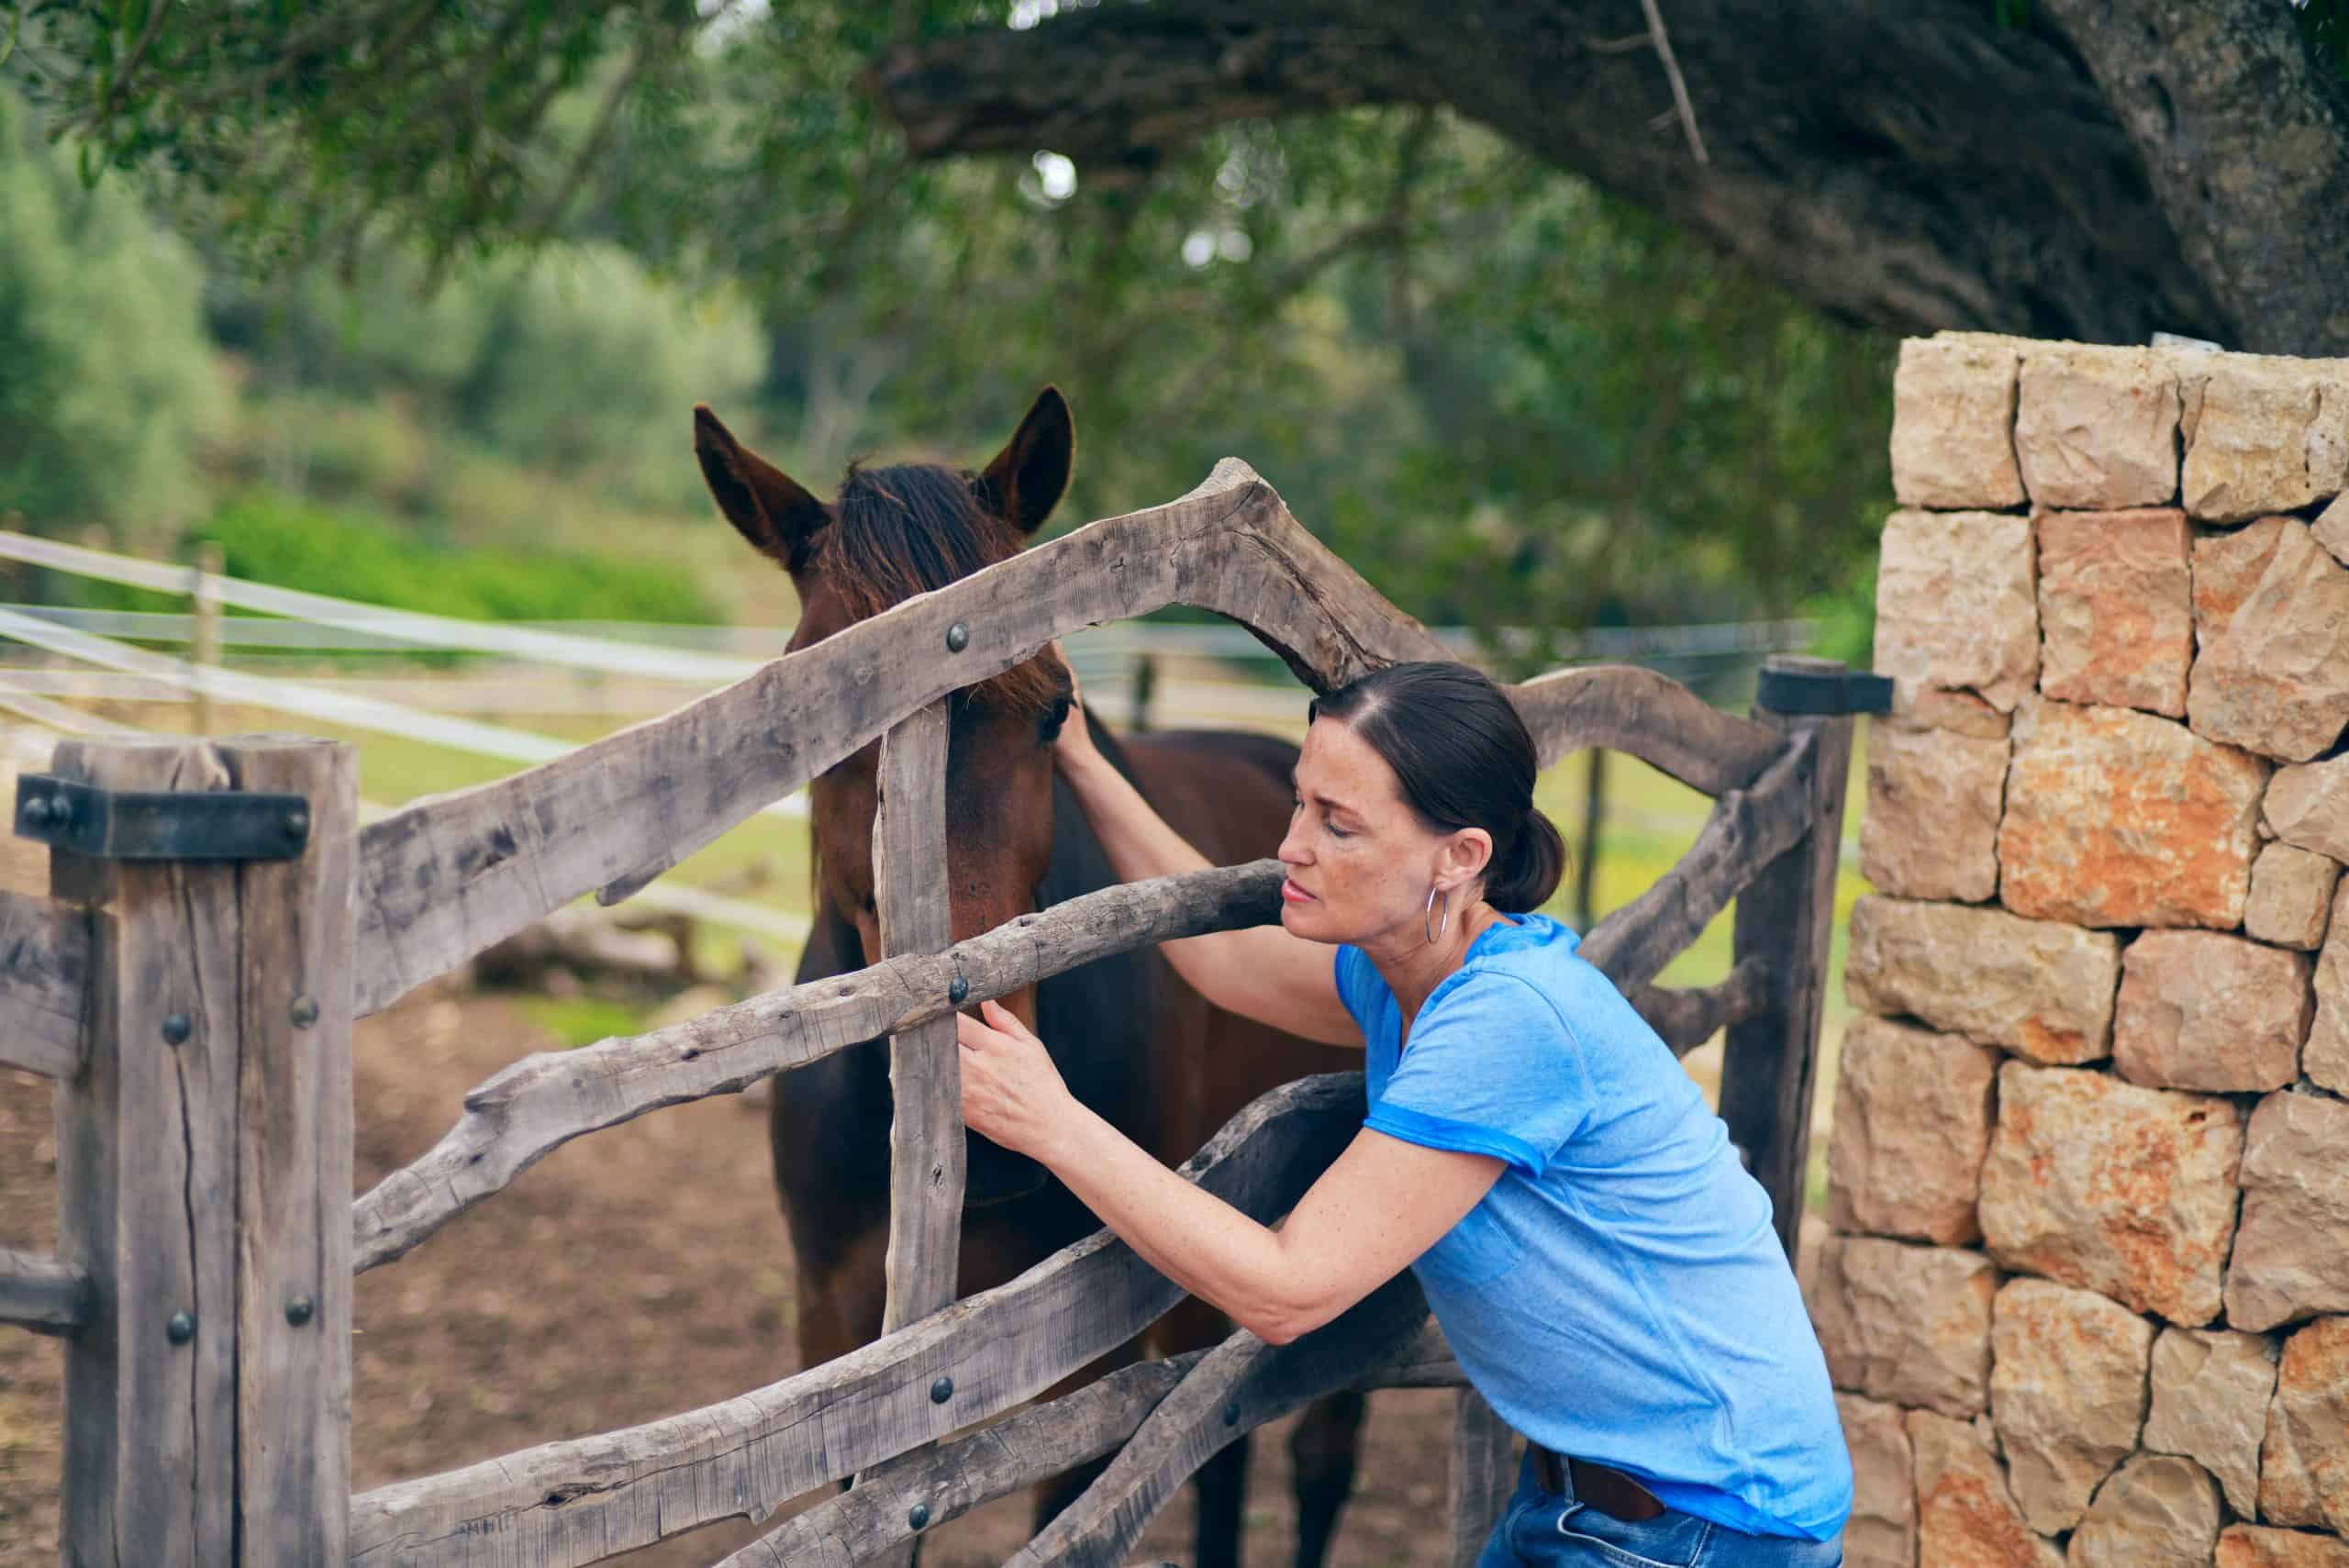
{"x": 2105, "y": 172}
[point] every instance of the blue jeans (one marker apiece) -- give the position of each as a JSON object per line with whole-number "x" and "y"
{"x": 1542, "y": 1528}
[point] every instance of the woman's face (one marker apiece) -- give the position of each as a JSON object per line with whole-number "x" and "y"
{"x": 1360, "y": 860}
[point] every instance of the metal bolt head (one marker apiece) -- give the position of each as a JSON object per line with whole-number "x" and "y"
{"x": 180, "y": 1328}
{"x": 36, "y": 810}
{"x": 959, "y": 992}
{"x": 300, "y": 1310}
{"x": 958, "y": 637}
{"x": 304, "y": 1011}
{"x": 297, "y": 821}
{"x": 918, "y": 1516}
{"x": 176, "y": 1029}
{"x": 941, "y": 1391}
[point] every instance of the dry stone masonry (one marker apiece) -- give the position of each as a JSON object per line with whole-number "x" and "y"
{"x": 2086, "y": 1297}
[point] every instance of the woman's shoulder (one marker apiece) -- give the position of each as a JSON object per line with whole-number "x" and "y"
{"x": 1536, "y": 968}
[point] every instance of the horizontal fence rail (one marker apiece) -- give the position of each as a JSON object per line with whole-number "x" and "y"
{"x": 533, "y": 1107}
{"x": 543, "y": 1101}
{"x": 348, "y": 709}
{"x": 46, "y": 988}
{"x": 44, "y": 1295}
{"x": 408, "y": 626}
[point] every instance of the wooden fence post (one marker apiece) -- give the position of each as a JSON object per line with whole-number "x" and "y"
{"x": 204, "y": 1175}
{"x": 926, "y": 1155}
{"x": 1481, "y": 1474}
{"x": 1786, "y": 918}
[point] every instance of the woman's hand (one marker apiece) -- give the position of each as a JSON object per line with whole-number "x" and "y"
{"x": 1011, "y": 1091}
{"x": 1074, "y": 749}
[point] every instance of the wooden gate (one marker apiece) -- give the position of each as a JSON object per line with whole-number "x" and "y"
{"x": 195, "y": 1015}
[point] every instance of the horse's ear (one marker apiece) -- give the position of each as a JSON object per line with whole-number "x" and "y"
{"x": 765, "y": 506}
{"x": 1028, "y": 478}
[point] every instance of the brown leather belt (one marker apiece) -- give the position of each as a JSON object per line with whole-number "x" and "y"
{"x": 1609, "y": 1491}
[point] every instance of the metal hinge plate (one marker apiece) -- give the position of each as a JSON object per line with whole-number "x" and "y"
{"x": 137, "y": 825}
{"x": 1821, "y": 691}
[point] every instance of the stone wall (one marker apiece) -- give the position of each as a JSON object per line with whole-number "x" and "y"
{"x": 2087, "y": 1293}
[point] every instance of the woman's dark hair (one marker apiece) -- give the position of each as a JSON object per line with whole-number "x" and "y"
{"x": 1464, "y": 758}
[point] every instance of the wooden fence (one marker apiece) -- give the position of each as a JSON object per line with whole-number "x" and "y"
{"x": 195, "y": 1015}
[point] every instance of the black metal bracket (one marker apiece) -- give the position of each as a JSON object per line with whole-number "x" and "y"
{"x": 1823, "y": 691}
{"x": 140, "y": 825}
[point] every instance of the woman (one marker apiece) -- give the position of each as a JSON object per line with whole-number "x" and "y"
{"x": 1603, "y": 1267}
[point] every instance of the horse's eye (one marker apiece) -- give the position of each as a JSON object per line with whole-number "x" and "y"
{"x": 1054, "y": 720}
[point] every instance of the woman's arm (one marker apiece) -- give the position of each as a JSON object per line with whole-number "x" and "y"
{"x": 1379, "y": 1207}
{"x": 1262, "y": 973}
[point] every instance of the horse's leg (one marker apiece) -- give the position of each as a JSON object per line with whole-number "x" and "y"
{"x": 1223, "y": 1500}
{"x": 1325, "y": 1446}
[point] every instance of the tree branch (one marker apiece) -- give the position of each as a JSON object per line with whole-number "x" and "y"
{"x": 2245, "y": 136}
{"x": 1129, "y": 84}
{"x": 1913, "y": 167}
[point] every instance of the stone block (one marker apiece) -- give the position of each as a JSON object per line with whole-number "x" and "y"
{"x": 2067, "y": 1394}
{"x": 2274, "y": 677}
{"x": 2272, "y": 436}
{"x": 2332, "y": 527}
{"x": 1923, "y": 707}
{"x": 1912, "y": 1122}
{"x": 2307, "y": 807}
{"x": 1954, "y": 424}
{"x": 1930, "y": 830}
{"x": 2096, "y": 427}
{"x": 2325, "y": 1058}
{"x": 1965, "y": 1516}
{"x": 2227, "y": 566}
{"x": 2116, "y": 608}
{"x": 2291, "y": 892}
{"x": 2043, "y": 989}
{"x": 2158, "y": 1511}
{"x": 2201, "y": 1010}
{"x": 2115, "y": 817}
{"x": 2126, "y": 1191}
{"x": 2249, "y": 1546}
{"x": 1954, "y": 606}
{"x": 2210, "y": 1403}
{"x": 1911, "y": 1325}
{"x": 2304, "y": 1461}
{"x": 2291, "y": 1252}
{"x": 1883, "y": 1529}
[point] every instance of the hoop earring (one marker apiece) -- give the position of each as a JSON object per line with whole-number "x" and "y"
{"x": 1441, "y": 926}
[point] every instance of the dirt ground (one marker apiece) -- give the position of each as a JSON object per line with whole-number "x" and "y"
{"x": 632, "y": 1274}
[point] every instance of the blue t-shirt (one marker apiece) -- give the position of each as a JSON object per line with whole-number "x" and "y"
{"x": 1620, "y": 1296}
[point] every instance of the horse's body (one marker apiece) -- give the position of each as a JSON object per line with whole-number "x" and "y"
{"x": 1132, "y": 1040}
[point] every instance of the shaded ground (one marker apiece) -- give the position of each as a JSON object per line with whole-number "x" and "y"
{"x": 633, "y": 1274}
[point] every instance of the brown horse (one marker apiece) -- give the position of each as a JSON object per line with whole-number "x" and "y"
{"x": 1134, "y": 1042}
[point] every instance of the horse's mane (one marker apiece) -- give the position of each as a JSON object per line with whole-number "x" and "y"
{"x": 900, "y": 532}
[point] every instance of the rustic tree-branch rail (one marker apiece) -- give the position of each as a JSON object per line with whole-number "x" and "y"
{"x": 447, "y": 876}
{"x": 570, "y": 1503}
{"x": 42, "y": 1294}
